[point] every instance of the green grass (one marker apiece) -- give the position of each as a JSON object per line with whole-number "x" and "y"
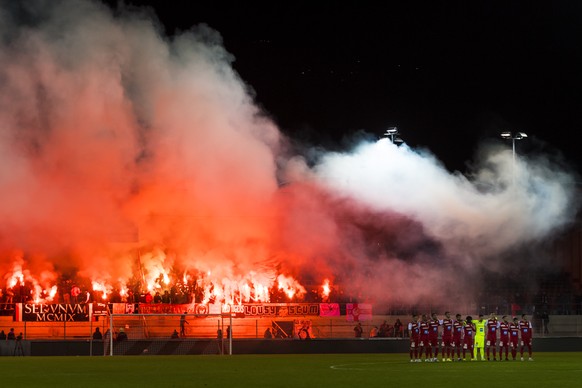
{"x": 297, "y": 371}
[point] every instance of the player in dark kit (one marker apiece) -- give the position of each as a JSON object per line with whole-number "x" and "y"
{"x": 433, "y": 336}
{"x": 491, "y": 340}
{"x": 504, "y": 338}
{"x": 447, "y": 344}
{"x": 468, "y": 337}
{"x": 424, "y": 344}
{"x": 514, "y": 337}
{"x": 526, "y": 330}
{"x": 414, "y": 334}
{"x": 458, "y": 325}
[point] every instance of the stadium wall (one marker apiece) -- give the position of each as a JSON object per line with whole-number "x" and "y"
{"x": 246, "y": 346}
{"x": 322, "y": 327}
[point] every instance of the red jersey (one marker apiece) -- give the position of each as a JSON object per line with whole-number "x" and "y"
{"x": 492, "y": 326}
{"x": 434, "y": 328}
{"x": 514, "y": 332}
{"x": 424, "y": 329}
{"x": 469, "y": 333}
{"x": 414, "y": 331}
{"x": 458, "y": 329}
{"x": 525, "y": 328}
{"x": 504, "y": 332}
{"x": 447, "y": 328}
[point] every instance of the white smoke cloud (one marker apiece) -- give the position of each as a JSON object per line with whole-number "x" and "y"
{"x": 497, "y": 209}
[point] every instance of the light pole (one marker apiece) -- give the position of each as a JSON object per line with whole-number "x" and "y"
{"x": 513, "y": 136}
{"x": 392, "y": 133}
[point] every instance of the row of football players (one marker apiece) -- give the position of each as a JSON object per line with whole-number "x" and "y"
{"x": 468, "y": 336}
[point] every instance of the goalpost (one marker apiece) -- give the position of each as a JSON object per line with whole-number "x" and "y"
{"x": 141, "y": 334}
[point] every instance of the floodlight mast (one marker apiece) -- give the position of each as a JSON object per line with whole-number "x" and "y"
{"x": 513, "y": 136}
{"x": 392, "y": 133}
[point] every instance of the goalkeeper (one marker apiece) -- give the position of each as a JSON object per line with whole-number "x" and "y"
{"x": 479, "y": 338}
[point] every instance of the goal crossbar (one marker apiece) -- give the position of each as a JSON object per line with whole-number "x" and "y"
{"x": 149, "y": 326}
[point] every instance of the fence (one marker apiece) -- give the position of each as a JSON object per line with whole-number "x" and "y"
{"x": 292, "y": 325}
{"x": 559, "y": 325}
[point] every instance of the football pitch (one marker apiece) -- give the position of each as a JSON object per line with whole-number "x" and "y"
{"x": 313, "y": 370}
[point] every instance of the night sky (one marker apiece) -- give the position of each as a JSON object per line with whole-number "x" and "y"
{"x": 449, "y": 75}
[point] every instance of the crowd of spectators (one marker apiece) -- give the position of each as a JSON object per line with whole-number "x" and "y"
{"x": 535, "y": 294}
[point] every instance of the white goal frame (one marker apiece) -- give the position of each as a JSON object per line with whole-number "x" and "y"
{"x": 224, "y": 316}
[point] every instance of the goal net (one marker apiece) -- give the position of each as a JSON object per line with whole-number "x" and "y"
{"x": 166, "y": 334}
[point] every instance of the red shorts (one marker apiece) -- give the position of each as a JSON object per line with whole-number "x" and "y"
{"x": 414, "y": 342}
{"x": 503, "y": 341}
{"x": 468, "y": 343}
{"x": 433, "y": 341}
{"x": 457, "y": 342}
{"x": 423, "y": 341}
{"x": 513, "y": 342}
{"x": 526, "y": 341}
{"x": 490, "y": 341}
{"x": 447, "y": 341}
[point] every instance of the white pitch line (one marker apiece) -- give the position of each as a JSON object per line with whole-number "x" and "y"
{"x": 350, "y": 366}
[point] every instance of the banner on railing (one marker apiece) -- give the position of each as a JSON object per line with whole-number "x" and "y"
{"x": 275, "y": 310}
{"x": 41, "y": 312}
{"x": 99, "y": 309}
{"x": 329, "y": 309}
{"x": 354, "y": 311}
{"x": 122, "y": 308}
{"x": 166, "y": 308}
{"x": 358, "y": 311}
{"x": 250, "y": 309}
